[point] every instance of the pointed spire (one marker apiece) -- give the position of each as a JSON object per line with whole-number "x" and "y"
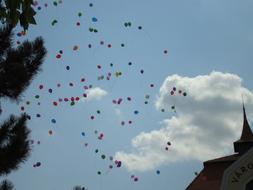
{"x": 246, "y": 131}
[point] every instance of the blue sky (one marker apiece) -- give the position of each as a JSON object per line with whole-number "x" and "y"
{"x": 200, "y": 36}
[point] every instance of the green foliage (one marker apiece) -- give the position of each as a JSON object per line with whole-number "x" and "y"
{"x": 17, "y": 11}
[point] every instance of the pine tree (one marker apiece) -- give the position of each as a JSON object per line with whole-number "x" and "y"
{"x": 6, "y": 185}
{"x": 18, "y": 66}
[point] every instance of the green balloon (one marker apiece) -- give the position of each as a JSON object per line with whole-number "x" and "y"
{"x": 72, "y": 103}
{"x": 103, "y": 156}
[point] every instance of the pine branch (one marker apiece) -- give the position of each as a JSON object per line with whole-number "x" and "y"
{"x": 14, "y": 143}
{"x": 6, "y": 185}
{"x": 19, "y": 66}
{"x": 5, "y": 40}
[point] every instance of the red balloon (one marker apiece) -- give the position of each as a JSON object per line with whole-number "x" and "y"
{"x": 58, "y": 56}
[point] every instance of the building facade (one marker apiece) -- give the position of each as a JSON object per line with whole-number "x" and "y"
{"x": 233, "y": 172}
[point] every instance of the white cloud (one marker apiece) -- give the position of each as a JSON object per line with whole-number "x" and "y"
{"x": 94, "y": 94}
{"x": 208, "y": 121}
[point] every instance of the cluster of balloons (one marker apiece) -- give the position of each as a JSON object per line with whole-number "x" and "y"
{"x": 134, "y": 178}
{"x": 93, "y": 30}
{"x": 37, "y": 164}
{"x": 168, "y": 145}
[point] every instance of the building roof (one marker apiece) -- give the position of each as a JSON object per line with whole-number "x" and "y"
{"x": 247, "y": 134}
{"x": 211, "y": 176}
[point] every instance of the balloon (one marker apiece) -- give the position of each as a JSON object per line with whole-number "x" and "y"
{"x": 98, "y": 112}
{"x": 165, "y": 51}
{"x": 58, "y": 56}
{"x": 122, "y": 45}
{"x": 61, "y": 52}
{"x": 67, "y": 67}
{"x": 50, "y": 132}
{"x": 129, "y": 98}
{"x": 99, "y": 172}
{"x": 136, "y": 179}
{"x": 162, "y": 110}
{"x": 172, "y": 93}
{"x": 129, "y": 122}
{"x": 38, "y": 164}
{"x": 119, "y": 164}
{"x": 78, "y": 23}
{"x": 110, "y": 166}
{"x": 94, "y": 19}
{"x": 38, "y": 115}
{"x": 129, "y": 63}
{"x": 92, "y": 117}
{"x": 91, "y": 5}
{"x": 142, "y": 71}
{"x": 151, "y": 85}
{"x": 136, "y": 112}
{"x": 139, "y": 27}
{"x": 55, "y": 103}
{"x": 41, "y": 87}
{"x": 54, "y": 22}
{"x": 109, "y": 45}
{"x": 179, "y": 91}
{"x": 146, "y": 102}
{"x": 174, "y": 88}
{"x": 102, "y": 42}
{"x": 50, "y": 90}
{"x": 72, "y": 103}
{"x": 79, "y": 14}
{"x": 103, "y": 156}
{"x": 75, "y": 48}
{"x": 22, "y": 108}
{"x": 184, "y": 94}
{"x": 158, "y": 172}
{"x": 89, "y": 46}
{"x": 53, "y": 120}
{"x": 173, "y": 107}
{"x": 168, "y": 143}
{"x": 96, "y": 151}
{"x": 83, "y": 134}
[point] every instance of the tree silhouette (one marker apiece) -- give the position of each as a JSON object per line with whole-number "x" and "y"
{"x": 17, "y": 11}
{"x": 18, "y": 66}
{"x": 6, "y": 185}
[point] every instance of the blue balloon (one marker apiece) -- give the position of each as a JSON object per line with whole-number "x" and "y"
{"x": 94, "y": 19}
{"x": 136, "y": 112}
{"x": 53, "y": 120}
{"x": 158, "y": 172}
{"x": 83, "y": 133}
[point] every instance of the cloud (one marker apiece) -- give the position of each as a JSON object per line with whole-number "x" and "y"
{"x": 95, "y": 94}
{"x": 207, "y": 121}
